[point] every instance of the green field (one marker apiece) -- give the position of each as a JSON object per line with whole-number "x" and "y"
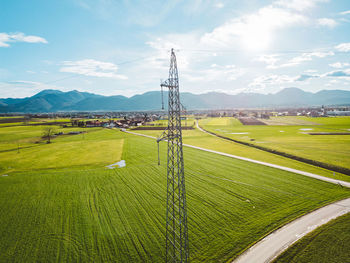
{"x": 60, "y": 204}
{"x": 327, "y": 244}
{"x": 204, "y": 140}
{"x": 67, "y": 151}
{"x": 6, "y": 121}
{"x": 292, "y": 137}
{"x": 189, "y": 121}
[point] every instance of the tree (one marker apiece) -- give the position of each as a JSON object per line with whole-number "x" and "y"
{"x": 48, "y": 133}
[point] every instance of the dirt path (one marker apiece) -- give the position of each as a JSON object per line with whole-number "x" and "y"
{"x": 275, "y": 243}
{"x": 319, "y": 177}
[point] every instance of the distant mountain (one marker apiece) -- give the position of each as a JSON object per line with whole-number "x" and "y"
{"x": 54, "y": 100}
{"x": 45, "y": 101}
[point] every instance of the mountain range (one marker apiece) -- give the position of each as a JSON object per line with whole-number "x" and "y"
{"x": 55, "y": 100}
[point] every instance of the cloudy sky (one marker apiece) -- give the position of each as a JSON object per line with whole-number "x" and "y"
{"x": 112, "y": 47}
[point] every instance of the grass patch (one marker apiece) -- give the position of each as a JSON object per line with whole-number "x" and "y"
{"x": 20, "y": 150}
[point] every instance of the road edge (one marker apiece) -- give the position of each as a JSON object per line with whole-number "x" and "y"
{"x": 310, "y": 228}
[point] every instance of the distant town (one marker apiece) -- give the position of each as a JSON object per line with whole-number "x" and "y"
{"x": 136, "y": 119}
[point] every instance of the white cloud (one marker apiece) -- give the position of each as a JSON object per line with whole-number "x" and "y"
{"x": 345, "y": 12}
{"x": 304, "y": 57}
{"x": 94, "y": 68}
{"x": 309, "y": 56}
{"x": 270, "y": 80}
{"x": 338, "y": 74}
{"x": 328, "y": 22}
{"x": 299, "y": 5}
{"x": 266, "y": 80}
{"x": 162, "y": 45}
{"x": 254, "y": 30}
{"x": 183, "y": 45}
{"x": 215, "y": 73}
{"x": 191, "y": 64}
{"x": 219, "y": 5}
{"x": 339, "y": 65}
{"x": 311, "y": 71}
{"x": 6, "y": 39}
{"x": 344, "y": 47}
{"x": 25, "y": 82}
{"x": 270, "y": 60}
{"x": 304, "y": 77}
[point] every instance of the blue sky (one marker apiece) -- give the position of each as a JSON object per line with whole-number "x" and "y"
{"x": 122, "y": 47}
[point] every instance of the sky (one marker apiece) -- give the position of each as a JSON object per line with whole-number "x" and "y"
{"x": 112, "y": 47}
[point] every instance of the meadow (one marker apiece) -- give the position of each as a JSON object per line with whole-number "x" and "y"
{"x": 327, "y": 244}
{"x": 198, "y": 138}
{"x": 290, "y": 135}
{"x": 189, "y": 121}
{"x": 59, "y": 203}
{"x": 10, "y": 121}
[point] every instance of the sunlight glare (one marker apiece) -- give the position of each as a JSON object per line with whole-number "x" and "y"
{"x": 256, "y": 36}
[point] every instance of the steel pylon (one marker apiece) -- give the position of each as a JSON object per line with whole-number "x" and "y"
{"x": 177, "y": 249}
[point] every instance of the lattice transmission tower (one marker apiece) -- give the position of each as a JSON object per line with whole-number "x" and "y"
{"x": 177, "y": 249}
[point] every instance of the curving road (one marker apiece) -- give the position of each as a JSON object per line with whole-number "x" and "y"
{"x": 275, "y": 243}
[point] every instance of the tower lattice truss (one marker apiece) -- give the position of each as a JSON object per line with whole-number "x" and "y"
{"x": 177, "y": 248}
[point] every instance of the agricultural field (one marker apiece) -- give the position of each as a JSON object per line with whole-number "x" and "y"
{"x": 293, "y": 137}
{"x": 290, "y": 120}
{"x": 23, "y": 121}
{"x": 198, "y": 138}
{"x": 59, "y": 202}
{"x": 190, "y": 121}
{"x": 51, "y": 156}
{"x": 327, "y": 244}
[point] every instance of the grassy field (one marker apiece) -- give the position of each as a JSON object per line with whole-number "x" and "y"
{"x": 292, "y": 137}
{"x": 327, "y": 244}
{"x": 33, "y": 153}
{"x": 7, "y": 122}
{"x": 69, "y": 207}
{"x": 201, "y": 139}
{"x": 291, "y": 120}
{"x": 190, "y": 121}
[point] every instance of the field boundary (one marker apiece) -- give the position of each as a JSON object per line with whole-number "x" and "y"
{"x": 327, "y": 166}
{"x": 316, "y": 176}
